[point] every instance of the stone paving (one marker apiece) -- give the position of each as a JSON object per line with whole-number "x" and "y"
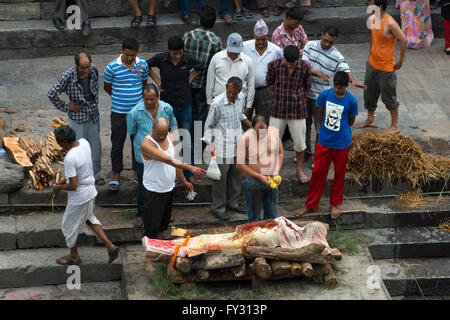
{"x": 423, "y": 92}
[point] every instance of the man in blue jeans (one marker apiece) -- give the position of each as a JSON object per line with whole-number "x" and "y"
{"x": 174, "y": 82}
{"x": 260, "y": 155}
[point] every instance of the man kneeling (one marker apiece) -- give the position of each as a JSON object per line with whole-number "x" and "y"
{"x": 79, "y": 215}
{"x": 340, "y": 108}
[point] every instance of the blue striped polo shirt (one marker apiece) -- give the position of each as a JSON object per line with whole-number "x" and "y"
{"x": 126, "y": 83}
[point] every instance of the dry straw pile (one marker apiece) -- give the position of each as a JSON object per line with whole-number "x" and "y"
{"x": 389, "y": 156}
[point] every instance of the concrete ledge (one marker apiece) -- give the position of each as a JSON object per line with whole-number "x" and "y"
{"x": 425, "y": 242}
{"x": 25, "y": 268}
{"x": 38, "y": 38}
{"x": 404, "y": 276}
{"x": 7, "y": 233}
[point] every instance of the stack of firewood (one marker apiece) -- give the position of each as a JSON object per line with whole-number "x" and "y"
{"x": 51, "y": 149}
{"x": 254, "y": 262}
{"x": 32, "y": 149}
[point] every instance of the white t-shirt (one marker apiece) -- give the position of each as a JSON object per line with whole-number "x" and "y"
{"x": 78, "y": 163}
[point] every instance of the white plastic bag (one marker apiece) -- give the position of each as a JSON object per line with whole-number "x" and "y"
{"x": 213, "y": 171}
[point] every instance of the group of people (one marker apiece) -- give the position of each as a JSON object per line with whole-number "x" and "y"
{"x": 257, "y": 86}
{"x": 240, "y": 12}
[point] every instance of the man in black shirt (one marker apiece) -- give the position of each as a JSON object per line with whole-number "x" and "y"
{"x": 174, "y": 82}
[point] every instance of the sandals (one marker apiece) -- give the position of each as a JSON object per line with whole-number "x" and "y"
{"x": 228, "y": 19}
{"x": 69, "y": 261}
{"x": 135, "y": 23}
{"x": 151, "y": 20}
{"x": 238, "y": 15}
{"x": 186, "y": 18}
{"x": 247, "y": 14}
{"x": 100, "y": 182}
{"x": 265, "y": 13}
{"x": 114, "y": 185}
{"x": 277, "y": 11}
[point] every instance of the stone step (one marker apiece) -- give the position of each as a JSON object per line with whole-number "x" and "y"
{"x": 416, "y": 277}
{"x": 43, "y": 9}
{"x": 111, "y": 290}
{"x": 44, "y": 230}
{"x": 38, "y": 267}
{"x": 405, "y": 242}
{"x": 38, "y": 38}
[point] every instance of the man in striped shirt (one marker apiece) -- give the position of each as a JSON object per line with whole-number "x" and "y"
{"x": 124, "y": 79}
{"x": 325, "y": 60}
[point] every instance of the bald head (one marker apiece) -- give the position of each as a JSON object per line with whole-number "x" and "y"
{"x": 160, "y": 129}
{"x": 83, "y": 63}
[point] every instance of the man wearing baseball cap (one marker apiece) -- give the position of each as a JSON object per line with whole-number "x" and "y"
{"x": 231, "y": 62}
{"x": 262, "y": 52}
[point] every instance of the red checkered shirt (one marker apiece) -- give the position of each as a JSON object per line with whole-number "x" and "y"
{"x": 289, "y": 92}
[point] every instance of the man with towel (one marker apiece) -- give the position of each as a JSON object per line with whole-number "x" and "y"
{"x": 80, "y": 186}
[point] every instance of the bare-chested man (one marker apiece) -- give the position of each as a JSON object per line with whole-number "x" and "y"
{"x": 260, "y": 155}
{"x": 380, "y": 75}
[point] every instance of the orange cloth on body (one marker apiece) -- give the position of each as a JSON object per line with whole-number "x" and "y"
{"x": 382, "y": 52}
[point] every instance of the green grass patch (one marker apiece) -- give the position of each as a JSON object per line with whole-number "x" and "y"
{"x": 348, "y": 242}
{"x": 160, "y": 281}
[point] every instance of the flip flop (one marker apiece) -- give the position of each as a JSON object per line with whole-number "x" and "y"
{"x": 136, "y": 21}
{"x": 238, "y": 15}
{"x": 69, "y": 261}
{"x": 114, "y": 185}
{"x": 247, "y": 14}
{"x": 100, "y": 182}
{"x": 151, "y": 20}
{"x": 113, "y": 254}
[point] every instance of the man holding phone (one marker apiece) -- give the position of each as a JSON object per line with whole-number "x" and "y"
{"x": 80, "y": 84}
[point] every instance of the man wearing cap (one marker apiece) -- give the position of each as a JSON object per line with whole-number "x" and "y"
{"x": 261, "y": 51}
{"x": 231, "y": 62}
{"x": 290, "y": 78}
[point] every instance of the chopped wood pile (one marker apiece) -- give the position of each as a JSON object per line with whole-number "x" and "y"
{"x": 255, "y": 262}
{"x": 251, "y": 263}
{"x": 38, "y": 157}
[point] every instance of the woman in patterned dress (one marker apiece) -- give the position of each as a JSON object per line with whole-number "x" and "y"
{"x": 416, "y": 22}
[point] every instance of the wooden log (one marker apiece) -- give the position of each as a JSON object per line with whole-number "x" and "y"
{"x": 176, "y": 276}
{"x": 311, "y": 254}
{"x": 19, "y": 155}
{"x": 198, "y": 262}
{"x": 261, "y": 268}
{"x": 183, "y": 265}
{"x": 216, "y": 276}
{"x": 219, "y": 259}
{"x": 296, "y": 269}
{"x": 203, "y": 275}
{"x": 336, "y": 254}
{"x": 321, "y": 269}
{"x": 330, "y": 279}
{"x": 280, "y": 267}
{"x": 307, "y": 269}
{"x": 240, "y": 271}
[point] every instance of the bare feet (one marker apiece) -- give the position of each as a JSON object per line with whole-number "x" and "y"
{"x": 364, "y": 124}
{"x": 148, "y": 265}
{"x": 334, "y": 212}
{"x": 302, "y": 176}
{"x": 302, "y": 211}
{"x": 392, "y": 130}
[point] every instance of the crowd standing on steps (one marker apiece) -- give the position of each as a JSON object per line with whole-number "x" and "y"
{"x": 234, "y": 102}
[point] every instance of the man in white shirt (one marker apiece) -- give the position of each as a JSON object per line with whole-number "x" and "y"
{"x": 228, "y": 63}
{"x": 79, "y": 182}
{"x": 325, "y": 60}
{"x": 161, "y": 167}
{"x": 261, "y": 51}
{"x": 224, "y": 124}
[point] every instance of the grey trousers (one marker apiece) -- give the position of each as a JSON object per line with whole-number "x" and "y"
{"x": 312, "y": 118}
{"x": 91, "y": 132}
{"x": 60, "y": 9}
{"x": 226, "y": 191}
